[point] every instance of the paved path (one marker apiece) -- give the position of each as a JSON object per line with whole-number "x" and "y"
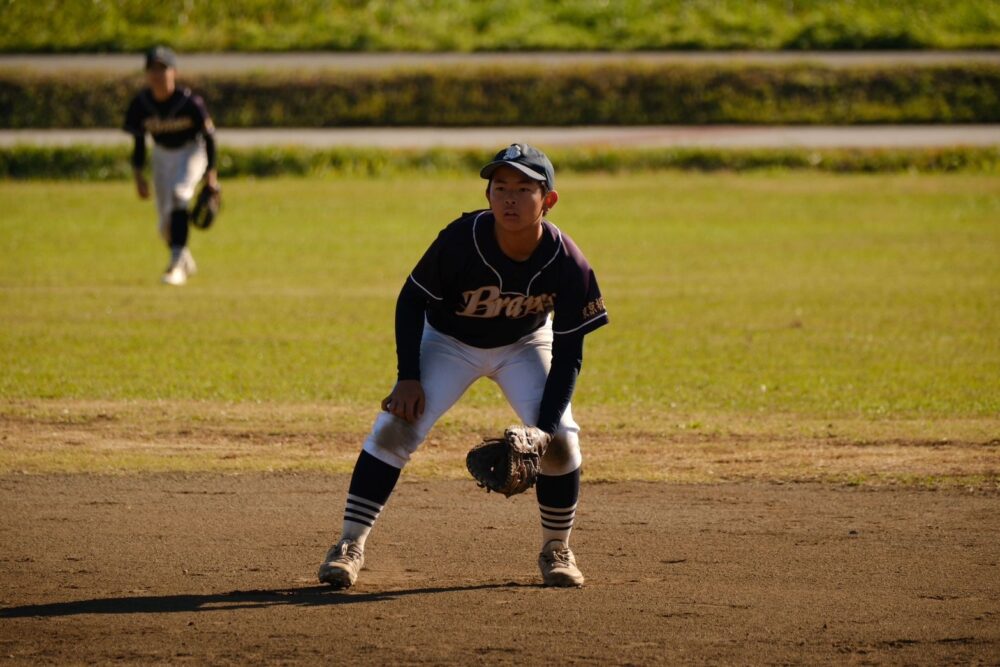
{"x": 724, "y": 136}
{"x": 243, "y": 62}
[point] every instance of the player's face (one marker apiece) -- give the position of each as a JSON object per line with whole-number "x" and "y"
{"x": 517, "y": 201}
{"x": 161, "y": 79}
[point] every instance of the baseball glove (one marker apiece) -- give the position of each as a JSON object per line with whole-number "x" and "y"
{"x": 206, "y": 206}
{"x": 508, "y": 465}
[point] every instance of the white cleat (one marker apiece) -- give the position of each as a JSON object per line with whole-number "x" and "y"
{"x": 558, "y": 565}
{"x": 342, "y": 563}
{"x": 176, "y": 275}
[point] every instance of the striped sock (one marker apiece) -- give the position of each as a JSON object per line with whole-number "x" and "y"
{"x": 557, "y": 500}
{"x": 359, "y": 517}
{"x": 371, "y": 485}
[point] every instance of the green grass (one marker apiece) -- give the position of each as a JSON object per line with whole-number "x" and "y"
{"x": 460, "y": 25}
{"x": 808, "y": 294}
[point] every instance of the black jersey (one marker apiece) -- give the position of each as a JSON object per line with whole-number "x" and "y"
{"x": 173, "y": 122}
{"x": 483, "y": 298}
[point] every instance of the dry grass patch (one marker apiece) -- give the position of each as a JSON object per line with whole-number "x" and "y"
{"x": 157, "y": 436}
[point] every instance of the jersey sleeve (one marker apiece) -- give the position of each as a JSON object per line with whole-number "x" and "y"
{"x": 427, "y": 273}
{"x": 205, "y": 124}
{"x": 579, "y": 306}
{"x": 207, "y": 129}
{"x": 410, "y": 307}
{"x": 134, "y": 117}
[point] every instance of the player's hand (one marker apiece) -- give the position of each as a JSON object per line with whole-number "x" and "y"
{"x": 212, "y": 179}
{"x": 406, "y": 400}
{"x": 141, "y": 186}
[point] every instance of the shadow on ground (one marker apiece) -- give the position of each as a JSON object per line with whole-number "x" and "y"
{"x": 253, "y": 599}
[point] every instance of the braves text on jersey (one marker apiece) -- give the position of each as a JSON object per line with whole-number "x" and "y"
{"x": 172, "y": 122}
{"x": 483, "y": 298}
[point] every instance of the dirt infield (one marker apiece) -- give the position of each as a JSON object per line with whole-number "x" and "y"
{"x": 159, "y": 568}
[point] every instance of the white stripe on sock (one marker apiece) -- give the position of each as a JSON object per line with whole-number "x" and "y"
{"x": 557, "y": 522}
{"x": 359, "y": 517}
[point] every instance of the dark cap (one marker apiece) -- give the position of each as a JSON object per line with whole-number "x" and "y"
{"x": 528, "y": 160}
{"x": 162, "y": 55}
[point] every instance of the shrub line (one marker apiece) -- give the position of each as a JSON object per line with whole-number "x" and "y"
{"x": 97, "y": 163}
{"x": 627, "y": 94}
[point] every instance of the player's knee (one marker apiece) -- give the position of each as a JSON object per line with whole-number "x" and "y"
{"x": 563, "y": 454}
{"x": 180, "y": 196}
{"x": 392, "y": 440}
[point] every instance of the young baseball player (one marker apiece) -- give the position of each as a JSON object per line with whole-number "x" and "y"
{"x": 183, "y": 153}
{"x": 478, "y": 304}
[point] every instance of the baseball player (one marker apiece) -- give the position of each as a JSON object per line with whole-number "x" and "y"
{"x": 183, "y": 153}
{"x": 478, "y": 304}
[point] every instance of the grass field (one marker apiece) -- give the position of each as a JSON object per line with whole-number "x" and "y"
{"x": 459, "y": 25}
{"x": 768, "y": 305}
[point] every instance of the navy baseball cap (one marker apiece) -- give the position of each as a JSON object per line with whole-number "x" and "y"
{"x": 528, "y": 160}
{"x": 162, "y": 55}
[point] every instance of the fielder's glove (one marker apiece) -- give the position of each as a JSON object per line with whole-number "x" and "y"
{"x": 509, "y": 465}
{"x": 206, "y": 206}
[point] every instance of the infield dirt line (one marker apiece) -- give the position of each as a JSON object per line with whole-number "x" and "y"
{"x": 124, "y": 437}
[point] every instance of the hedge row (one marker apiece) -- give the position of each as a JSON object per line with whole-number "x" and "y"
{"x": 461, "y": 25}
{"x": 104, "y": 164}
{"x": 636, "y": 94}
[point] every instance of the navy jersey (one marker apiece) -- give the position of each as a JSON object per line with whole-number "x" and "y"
{"x": 483, "y": 298}
{"x": 173, "y": 122}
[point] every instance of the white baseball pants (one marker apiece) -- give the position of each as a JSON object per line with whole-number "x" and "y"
{"x": 176, "y": 173}
{"x": 448, "y": 367}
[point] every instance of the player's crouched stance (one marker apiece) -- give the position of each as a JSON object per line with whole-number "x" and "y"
{"x": 478, "y": 305}
{"x": 183, "y": 154}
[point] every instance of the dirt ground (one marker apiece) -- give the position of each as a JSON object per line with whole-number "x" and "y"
{"x": 219, "y": 568}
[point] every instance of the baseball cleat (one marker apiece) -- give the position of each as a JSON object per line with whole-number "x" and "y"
{"x": 558, "y": 565}
{"x": 176, "y": 275}
{"x": 342, "y": 563}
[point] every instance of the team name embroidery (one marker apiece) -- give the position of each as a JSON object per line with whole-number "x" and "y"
{"x": 488, "y": 302}
{"x": 593, "y": 308}
{"x": 155, "y": 125}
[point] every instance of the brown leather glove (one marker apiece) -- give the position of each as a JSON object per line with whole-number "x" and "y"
{"x": 509, "y": 465}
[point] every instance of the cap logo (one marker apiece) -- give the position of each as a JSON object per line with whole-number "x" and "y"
{"x": 512, "y": 153}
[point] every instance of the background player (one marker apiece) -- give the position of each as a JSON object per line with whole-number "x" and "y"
{"x": 477, "y": 305}
{"x": 183, "y": 153}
